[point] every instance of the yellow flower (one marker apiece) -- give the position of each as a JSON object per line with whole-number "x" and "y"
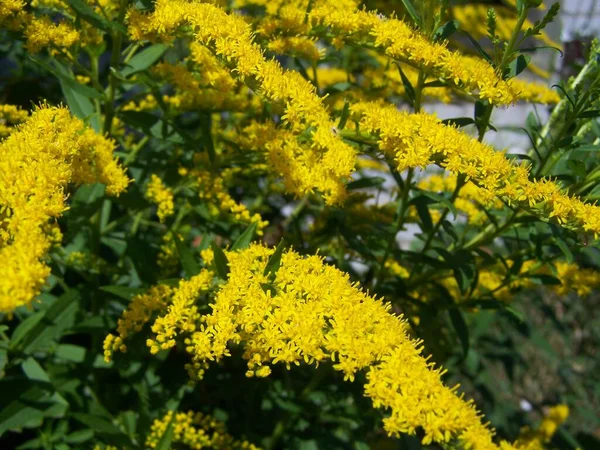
{"x": 535, "y": 439}
{"x": 162, "y": 196}
{"x": 230, "y": 38}
{"x": 41, "y": 33}
{"x": 399, "y": 41}
{"x": 38, "y": 161}
{"x": 195, "y": 430}
{"x": 417, "y": 140}
{"x": 309, "y": 312}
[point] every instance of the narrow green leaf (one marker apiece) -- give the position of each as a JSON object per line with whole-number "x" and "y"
{"x": 103, "y": 428}
{"x": 32, "y": 369}
{"x": 408, "y": 87}
{"x": 423, "y": 212}
{"x": 70, "y": 352}
{"x": 588, "y": 148}
{"x": 190, "y": 266}
{"x": 518, "y": 65}
{"x": 275, "y": 260}
{"x": 565, "y": 249}
{"x": 460, "y": 326}
{"x": 144, "y": 59}
{"x": 449, "y": 228}
{"x": 166, "y": 439}
{"x": 441, "y": 199}
{"x": 544, "y": 279}
{"x": 139, "y": 119}
{"x": 366, "y": 182}
{"x": 245, "y": 238}
{"x": 412, "y": 12}
{"x": 207, "y": 138}
{"x": 220, "y": 263}
{"x": 459, "y": 121}
{"x": 57, "y": 318}
{"x": 65, "y": 76}
{"x": 344, "y": 116}
{"x": 86, "y": 12}
{"x": 479, "y": 49}
{"x": 123, "y": 292}
{"x": 25, "y": 327}
{"x": 445, "y": 31}
{"x": 340, "y": 87}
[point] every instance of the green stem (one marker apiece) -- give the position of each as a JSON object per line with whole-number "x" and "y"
{"x": 115, "y": 58}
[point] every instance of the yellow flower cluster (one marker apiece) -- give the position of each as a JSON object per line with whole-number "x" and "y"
{"x": 528, "y": 91}
{"x": 182, "y": 315}
{"x": 230, "y": 38}
{"x": 535, "y": 439}
{"x": 37, "y": 162}
{"x": 472, "y": 17}
{"x": 310, "y": 312}
{"x": 395, "y": 39}
{"x": 212, "y": 189}
{"x": 10, "y": 116}
{"x": 201, "y": 82}
{"x": 576, "y": 278}
{"x": 42, "y": 32}
{"x": 12, "y": 14}
{"x": 162, "y": 196}
{"x": 497, "y": 281}
{"x": 138, "y": 313}
{"x": 197, "y": 431}
{"x": 399, "y": 41}
{"x": 417, "y": 140}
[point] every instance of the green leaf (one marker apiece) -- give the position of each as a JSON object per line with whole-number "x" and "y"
{"x": 275, "y": 260}
{"x": 588, "y": 148}
{"x": 245, "y": 238}
{"x": 445, "y": 31}
{"x": 206, "y": 137}
{"x": 77, "y": 437}
{"x": 441, "y": 199}
{"x": 57, "y": 318}
{"x": 220, "y": 263}
{"x": 408, "y": 87}
{"x": 412, "y": 12}
{"x": 366, "y": 182}
{"x": 66, "y": 77}
{"x": 423, "y": 212}
{"x": 544, "y": 279}
{"x": 190, "y": 266}
{"x": 479, "y": 49}
{"x": 267, "y": 287}
{"x": 70, "y": 352}
{"x": 449, "y": 228}
{"x": 166, "y": 439}
{"x": 34, "y": 371}
{"x": 144, "y": 59}
{"x": 124, "y": 292}
{"x": 103, "y": 429}
{"x": 89, "y": 15}
{"x": 344, "y": 116}
{"x": 518, "y": 65}
{"x": 77, "y": 95}
{"x": 139, "y": 119}
{"x": 25, "y": 402}
{"x": 459, "y": 121}
{"x": 564, "y": 248}
{"x": 341, "y": 86}
{"x": 460, "y": 326}
{"x": 25, "y": 327}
